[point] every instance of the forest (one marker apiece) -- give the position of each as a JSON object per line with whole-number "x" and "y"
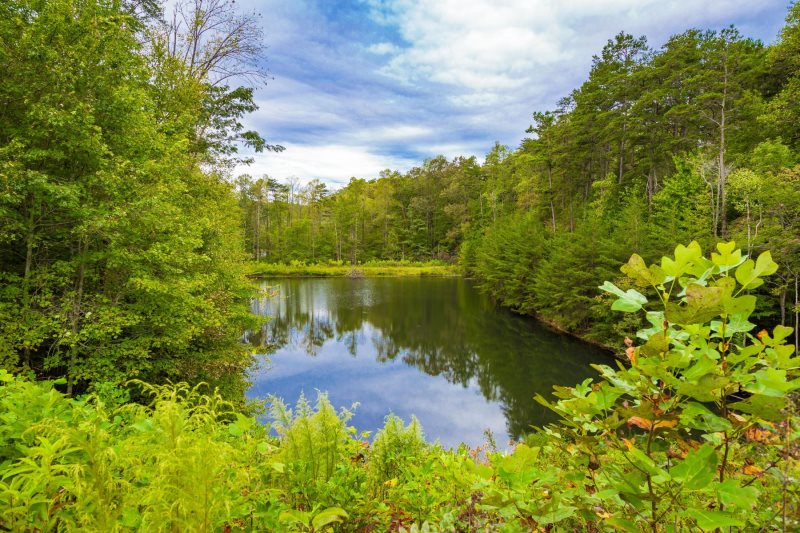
{"x": 696, "y": 140}
{"x": 666, "y": 188}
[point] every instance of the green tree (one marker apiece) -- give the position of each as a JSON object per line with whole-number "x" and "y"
{"x": 121, "y": 256}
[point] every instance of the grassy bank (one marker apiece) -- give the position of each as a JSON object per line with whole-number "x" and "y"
{"x": 368, "y": 270}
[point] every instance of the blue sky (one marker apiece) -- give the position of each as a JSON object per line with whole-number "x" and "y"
{"x": 364, "y": 85}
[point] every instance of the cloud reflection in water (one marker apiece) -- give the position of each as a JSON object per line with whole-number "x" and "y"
{"x": 432, "y": 347}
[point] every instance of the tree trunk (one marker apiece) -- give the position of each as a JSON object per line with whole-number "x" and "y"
{"x": 723, "y": 173}
{"x": 26, "y": 280}
{"x": 749, "y": 236}
{"x": 783, "y": 305}
{"x": 552, "y": 203}
{"x": 256, "y": 249}
{"x": 75, "y": 314}
{"x": 353, "y": 244}
{"x": 269, "y": 238}
{"x": 338, "y": 243}
{"x": 796, "y": 318}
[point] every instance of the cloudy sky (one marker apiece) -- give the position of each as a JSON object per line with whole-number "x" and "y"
{"x": 364, "y": 85}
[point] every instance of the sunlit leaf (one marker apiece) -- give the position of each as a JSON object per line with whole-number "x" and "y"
{"x": 698, "y": 469}
{"x": 328, "y": 516}
{"x": 709, "y": 519}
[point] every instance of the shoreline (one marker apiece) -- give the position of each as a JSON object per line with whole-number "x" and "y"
{"x": 266, "y": 270}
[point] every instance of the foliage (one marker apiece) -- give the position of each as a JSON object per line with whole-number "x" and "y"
{"x": 699, "y": 432}
{"x": 392, "y": 448}
{"x": 710, "y": 441}
{"x": 120, "y": 254}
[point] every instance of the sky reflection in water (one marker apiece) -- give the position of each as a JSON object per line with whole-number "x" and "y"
{"x": 432, "y": 347}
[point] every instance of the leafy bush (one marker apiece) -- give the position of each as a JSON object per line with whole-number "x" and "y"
{"x": 696, "y": 433}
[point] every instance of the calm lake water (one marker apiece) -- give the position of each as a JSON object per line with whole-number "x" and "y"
{"x": 432, "y": 347}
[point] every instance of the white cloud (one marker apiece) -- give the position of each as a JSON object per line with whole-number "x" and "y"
{"x": 489, "y": 52}
{"x": 447, "y": 77}
{"x": 333, "y": 164}
{"x": 383, "y": 48}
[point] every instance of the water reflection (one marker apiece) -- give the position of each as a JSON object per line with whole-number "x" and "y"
{"x": 433, "y": 347}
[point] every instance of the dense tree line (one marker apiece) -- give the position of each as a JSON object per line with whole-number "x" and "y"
{"x": 423, "y": 214}
{"x": 696, "y": 140}
{"x": 120, "y": 245}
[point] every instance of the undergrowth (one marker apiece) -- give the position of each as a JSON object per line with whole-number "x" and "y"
{"x": 698, "y": 433}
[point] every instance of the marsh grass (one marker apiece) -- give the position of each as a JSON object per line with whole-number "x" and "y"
{"x": 340, "y": 269}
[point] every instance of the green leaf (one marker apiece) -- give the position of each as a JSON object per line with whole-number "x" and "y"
{"x": 781, "y": 356}
{"x": 730, "y": 493}
{"x": 736, "y": 324}
{"x": 625, "y": 305}
{"x": 704, "y": 297}
{"x": 328, "y": 516}
{"x": 705, "y": 389}
{"x": 637, "y": 270}
{"x": 697, "y": 416}
{"x": 605, "y": 397}
{"x": 772, "y": 382}
{"x": 703, "y": 366}
{"x": 263, "y": 447}
{"x": 698, "y": 469}
{"x": 766, "y": 407}
{"x": 702, "y": 304}
{"x": 656, "y": 345}
{"x": 622, "y": 524}
{"x": 725, "y": 248}
{"x": 765, "y": 266}
{"x": 242, "y": 425}
{"x": 293, "y": 516}
{"x": 708, "y": 519}
{"x": 685, "y": 260}
{"x": 747, "y": 352}
{"x": 743, "y": 305}
{"x": 728, "y": 257}
{"x": 781, "y": 332}
{"x": 144, "y": 426}
{"x": 555, "y": 514}
{"x": 727, "y": 284}
{"x": 629, "y": 301}
{"x": 749, "y": 273}
{"x": 641, "y": 460}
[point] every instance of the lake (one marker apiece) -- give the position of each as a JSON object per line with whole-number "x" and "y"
{"x": 435, "y": 348}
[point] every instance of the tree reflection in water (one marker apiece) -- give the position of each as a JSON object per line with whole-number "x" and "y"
{"x": 440, "y": 326}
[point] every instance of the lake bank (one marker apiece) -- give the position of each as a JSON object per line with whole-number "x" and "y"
{"x": 366, "y": 270}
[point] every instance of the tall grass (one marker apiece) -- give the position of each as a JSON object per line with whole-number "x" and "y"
{"x": 340, "y": 269}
